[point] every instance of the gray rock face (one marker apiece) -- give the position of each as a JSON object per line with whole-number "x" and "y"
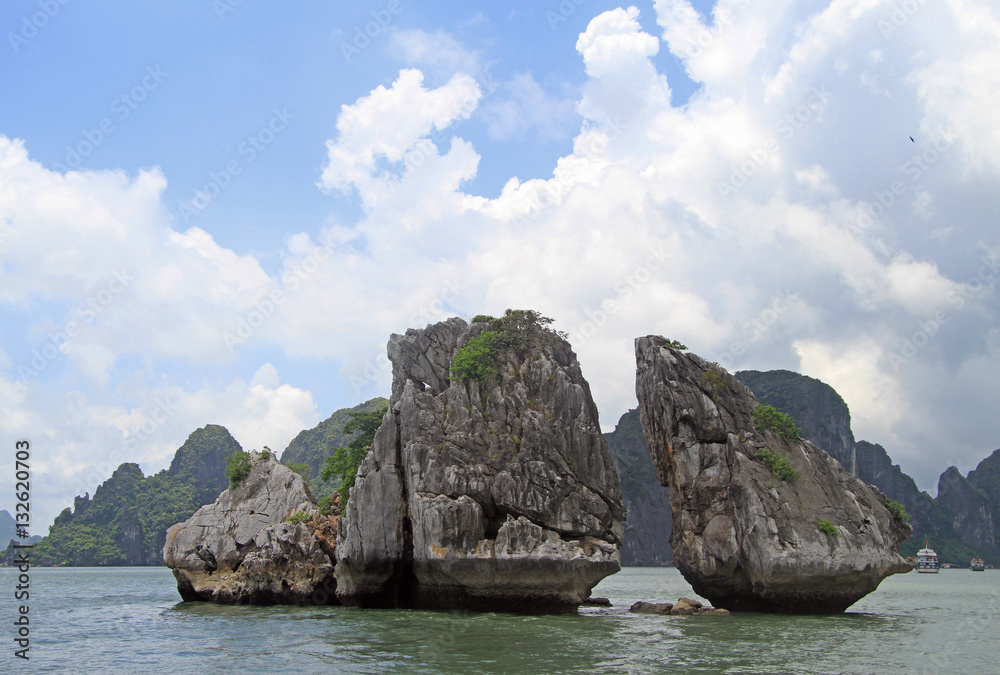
{"x": 969, "y": 510}
{"x": 500, "y": 496}
{"x": 240, "y": 550}
{"x": 743, "y": 538}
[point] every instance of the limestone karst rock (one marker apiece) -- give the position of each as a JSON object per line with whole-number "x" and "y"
{"x": 968, "y": 509}
{"x": 742, "y": 537}
{"x": 497, "y": 495}
{"x": 241, "y": 550}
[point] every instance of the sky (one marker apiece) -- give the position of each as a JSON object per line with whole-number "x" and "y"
{"x": 218, "y": 211}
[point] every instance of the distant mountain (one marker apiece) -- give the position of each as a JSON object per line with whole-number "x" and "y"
{"x": 8, "y": 526}
{"x": 986, "y": 479}
{"x": 928, "y": 517}
{"x": 647, "y": 529}
{"x": 968, "y": 510}
{"x": 959, "y": 523}
{"x": 313, "y": 446}
{"x": 125, "y": 522}
{"x": 8, "y": 530}
{"x": 818, "y": 410}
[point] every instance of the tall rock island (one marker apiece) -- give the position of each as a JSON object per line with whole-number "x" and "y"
{"x": 489, "y": 485}
{"x": 762, "y": 520}
{"x": 253, "y": 544}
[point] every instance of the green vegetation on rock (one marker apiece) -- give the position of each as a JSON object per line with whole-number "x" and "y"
{"x": 777, "y": 464}
{"x": 715, "y": 378}
{"x": 237, "y": 467}
{"x": 769, "y": 418}
{"x": 311, "y": 447}
{"x": 897, "y": 510}
{"x": 298, "y": 517}
{"x": 476, "y": 359}
{"x": 826, "y": 527}
{"x": 302, "y": 469}
{"x": 344, "y": 462}
{"x": 518, "y": 330}
{"x": 324, "y": 504}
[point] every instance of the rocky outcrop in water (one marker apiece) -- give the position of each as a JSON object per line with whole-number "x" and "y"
{"x": 743, "y": 537}
{"x": 496, "y": 495}
{"x": 683, "y": 607}
{"x": 242, "y": 549}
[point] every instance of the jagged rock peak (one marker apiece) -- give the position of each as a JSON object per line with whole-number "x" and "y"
{"x": 495, "y": 493}
{"x": 242, "y": 549}
{"x": 748, "y": 534}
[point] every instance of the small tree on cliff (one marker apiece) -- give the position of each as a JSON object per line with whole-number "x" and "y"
{"x": 518, "y": 330}
{"x": 344, "y": 462}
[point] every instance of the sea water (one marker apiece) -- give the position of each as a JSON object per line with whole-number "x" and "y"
{"x": 131, "y": 620}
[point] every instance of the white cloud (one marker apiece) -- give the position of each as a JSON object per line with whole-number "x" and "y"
{"x": 100, "y": 245}
{"x": 960, "y": 90}
{"x": 437, "y": 53}
{"x": 624, "y": 86}
{"x": 387, "y": 124}
{"x": 855, "y": 369}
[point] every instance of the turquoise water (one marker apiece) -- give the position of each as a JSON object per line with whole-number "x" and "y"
{"x": 131, "y": 620}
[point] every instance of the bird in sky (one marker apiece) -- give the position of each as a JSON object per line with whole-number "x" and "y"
{"x": 911, "y": 139}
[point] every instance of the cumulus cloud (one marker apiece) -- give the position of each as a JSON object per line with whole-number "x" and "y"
{"x": 386, "y": 125}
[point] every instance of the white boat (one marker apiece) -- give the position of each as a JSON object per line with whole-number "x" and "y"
{"x": 927, "y": 560}
{"x": 977, "y": 565}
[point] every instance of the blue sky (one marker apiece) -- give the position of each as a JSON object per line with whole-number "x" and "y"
{"x": 739, "y": 176}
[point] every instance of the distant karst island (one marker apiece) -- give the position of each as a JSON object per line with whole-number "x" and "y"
{"x": 485, "y": 483}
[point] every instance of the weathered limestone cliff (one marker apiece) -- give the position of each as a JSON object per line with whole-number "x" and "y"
{"x": 242, "y": 550}
{"x": 496, "y": 495}
{"x": 969, "y": 511}
{"x": 743, "y": 537}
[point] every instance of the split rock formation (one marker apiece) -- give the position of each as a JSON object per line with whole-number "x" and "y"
{"x": 497, "y": 495}
{"x": 742, "y": 537}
